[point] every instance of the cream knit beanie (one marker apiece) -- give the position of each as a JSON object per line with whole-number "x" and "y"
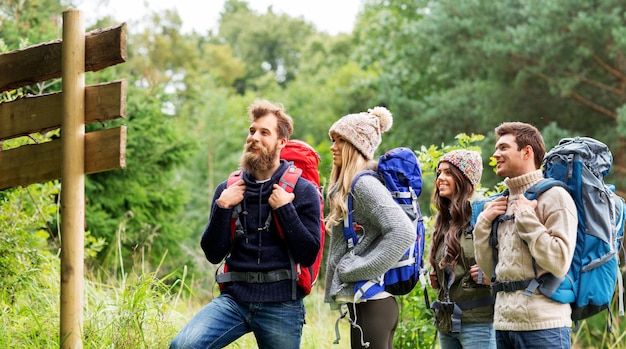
{"x": 363, "y": 130}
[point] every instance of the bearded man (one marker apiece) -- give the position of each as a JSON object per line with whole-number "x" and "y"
{"x": 258, "y": 293}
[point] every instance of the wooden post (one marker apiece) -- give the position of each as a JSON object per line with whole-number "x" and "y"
{"x": 72, "y": 180}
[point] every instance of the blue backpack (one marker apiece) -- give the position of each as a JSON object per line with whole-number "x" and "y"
{"x": 580, "y": 165}
{"x": 401, "y": 173}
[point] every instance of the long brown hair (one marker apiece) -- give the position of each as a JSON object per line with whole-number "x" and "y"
{"x": 453, "y": 217}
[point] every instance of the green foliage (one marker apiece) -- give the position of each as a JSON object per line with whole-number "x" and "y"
{"x": 25, "y": 214}
{"x": 416, "y": 327}
{"x": 466, "y": 66}
{"x": 153, "y": 195}
{"x": 272, "y": 44}
{"x": 444, "y": 68}
{"x": 134, "y": 312}
{"x": 593, "y": 332}
{"x": 33, "y": 21}
{"x": 30, "y": 313}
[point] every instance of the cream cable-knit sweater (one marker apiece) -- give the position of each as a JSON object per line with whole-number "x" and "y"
{"x": 387, "y": 233}
{"x": 549, "y": 235}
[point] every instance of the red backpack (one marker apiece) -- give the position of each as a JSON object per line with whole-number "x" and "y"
{"x": 305, "y": 161}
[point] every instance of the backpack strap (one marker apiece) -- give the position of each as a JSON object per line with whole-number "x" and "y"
{"x": 234, "y": 177}
{"x": 493, "y": 236}
{"x": 547, "y": 283}
{"x": 348, "y": 223}
{"x": 235, "y": 222}
{"x": 456, "y": 309}
{"x": 289, "y": 179}
{"x": 288, "y": 182}
{"x": 541, "y": 186}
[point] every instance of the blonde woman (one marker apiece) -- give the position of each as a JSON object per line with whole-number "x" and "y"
{"x": 384, "y": 231}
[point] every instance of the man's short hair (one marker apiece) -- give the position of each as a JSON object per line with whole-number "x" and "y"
{"x": 262, "y": 107}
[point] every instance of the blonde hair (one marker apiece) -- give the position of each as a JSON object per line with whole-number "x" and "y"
{"x": 340, "y": 181}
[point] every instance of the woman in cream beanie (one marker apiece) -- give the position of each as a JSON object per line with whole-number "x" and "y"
{"x": 384, "y": 231}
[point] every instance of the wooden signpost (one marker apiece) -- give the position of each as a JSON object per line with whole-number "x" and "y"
{"x": 76, "y": 153}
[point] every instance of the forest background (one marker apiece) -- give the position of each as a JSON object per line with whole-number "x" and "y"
{"x": 449, "y": 70}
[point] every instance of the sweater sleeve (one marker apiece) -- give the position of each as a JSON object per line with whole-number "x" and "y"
{"x": 387, "y": 233}
{"x": 216, "y": 241}
{"x": 551, "y": 244}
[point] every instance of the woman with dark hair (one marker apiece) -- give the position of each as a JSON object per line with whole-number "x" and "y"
{"x": 464, "y": 309}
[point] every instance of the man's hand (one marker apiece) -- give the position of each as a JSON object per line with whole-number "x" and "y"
{"x": 279, "y": 197}
{"x": 495, "y": 208}
{"x": 232, "y": 195}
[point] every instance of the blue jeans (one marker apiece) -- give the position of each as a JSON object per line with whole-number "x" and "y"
{"x": 473, "y": 335}
{"x": 553, "y": 338}
{"x": 223, "y": 320}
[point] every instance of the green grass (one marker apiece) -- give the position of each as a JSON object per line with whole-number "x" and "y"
{"x": 143, "y": 310}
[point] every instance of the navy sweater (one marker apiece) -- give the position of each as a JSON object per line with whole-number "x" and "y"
{"x": 259, "y": 250}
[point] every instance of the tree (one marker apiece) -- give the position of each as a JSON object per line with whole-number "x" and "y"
{"x": 30, "y": 22}
{"x": 554, "y": 61}
{"x": 140, "y": 206}
{"x": 272, "y": 44}
{"x": 557, "y": 64}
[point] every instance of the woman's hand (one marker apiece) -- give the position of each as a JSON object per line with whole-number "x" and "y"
{"x": 478, "y": 276}
{"x": 434, "y": 282}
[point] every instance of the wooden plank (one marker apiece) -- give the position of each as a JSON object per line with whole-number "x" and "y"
{"x": 105, "y": 150}
{"x": 34, "y": 114}
{"x": 103, "y": 48}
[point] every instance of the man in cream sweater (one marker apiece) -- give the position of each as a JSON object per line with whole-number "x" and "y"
{"x": 538, "y": 234}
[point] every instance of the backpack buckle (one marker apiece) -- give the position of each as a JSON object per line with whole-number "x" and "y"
{"x": 254, "y": 278}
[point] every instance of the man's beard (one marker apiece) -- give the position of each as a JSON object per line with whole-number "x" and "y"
{"x": 255, "y": 163}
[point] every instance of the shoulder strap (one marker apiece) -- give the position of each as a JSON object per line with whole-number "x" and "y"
{"x": 348, "y": 224}
{"x": 234, "y": 177}
{"x": 541, "y": 186}
{"x": 531, "y": 193}
{"x": 479, "y": 205}
{"x": 289, "y": 179}
{"x": 477, "y": 208}
{"x": 288, "y": 182}
{"x": 493, "y": 237}
{"x": 235, "y": 222}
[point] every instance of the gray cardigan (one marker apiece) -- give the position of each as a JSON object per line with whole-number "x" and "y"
{"x": 387, "y": 233}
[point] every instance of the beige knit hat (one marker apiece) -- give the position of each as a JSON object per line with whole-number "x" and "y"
{"x": 363, "y": 130}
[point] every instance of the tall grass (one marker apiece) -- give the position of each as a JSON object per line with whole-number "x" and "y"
{"x": 143, "y": 310}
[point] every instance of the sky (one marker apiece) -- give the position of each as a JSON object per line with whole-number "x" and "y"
{"x": 331, "y": 16}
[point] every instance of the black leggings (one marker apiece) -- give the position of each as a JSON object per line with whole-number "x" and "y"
{"x": 378, "y": 320}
